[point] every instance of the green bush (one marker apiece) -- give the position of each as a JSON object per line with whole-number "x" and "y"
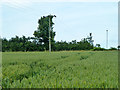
{"x": 113, "y": 48}
{"x": 98, "y": 49}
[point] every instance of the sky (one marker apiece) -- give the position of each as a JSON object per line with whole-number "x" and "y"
{"x": 74, "y": 21}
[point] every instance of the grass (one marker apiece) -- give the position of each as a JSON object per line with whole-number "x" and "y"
{"x": 66, "y": 69}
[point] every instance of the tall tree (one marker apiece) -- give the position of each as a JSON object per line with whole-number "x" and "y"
{"x": 42, "y": 33}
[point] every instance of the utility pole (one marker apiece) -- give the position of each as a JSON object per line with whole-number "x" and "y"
{"x": 49, "y": 36}
{"x": 106, "y": 38}
{"x": 50, "y": 31}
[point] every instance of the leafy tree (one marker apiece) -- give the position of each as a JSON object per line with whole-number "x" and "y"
{"x": 0, "y": 44}
{"x": 113, "y": 48}
{"x": 118, "y": 47}
{"x": 42, "y": 33}
{"x": 97, "y": 45}
{"x": 31, "y": 44}
{"x": 5, "y": 46}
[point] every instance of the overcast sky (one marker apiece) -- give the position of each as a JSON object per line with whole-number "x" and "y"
{"x": 74, "y": 21}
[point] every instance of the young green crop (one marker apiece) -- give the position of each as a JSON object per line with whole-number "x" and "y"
{"x": 66, "y": 69}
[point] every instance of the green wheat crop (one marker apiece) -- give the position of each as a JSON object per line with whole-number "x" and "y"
{"x": 65, "y": 69}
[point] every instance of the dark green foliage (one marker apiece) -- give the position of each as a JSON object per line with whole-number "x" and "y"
{"x": 31, "y": 44}
{"x": 113, "y": 48}
{"x": 82, "y": 45}
{"x": 18, "y": 44}
{"x": 42, "y": 33}
{"x": 118, "y": 47}
{"x": 83, "y": 57}
{"x": 98, "y": 49}
{"x": 97, "y": 45}
{"x": 64, "y": 56}
{"x": 0, "y": 44}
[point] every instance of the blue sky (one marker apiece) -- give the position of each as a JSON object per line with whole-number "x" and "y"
{"x": 74, "y": 21}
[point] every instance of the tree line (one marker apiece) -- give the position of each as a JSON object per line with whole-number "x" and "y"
{"x": 31, "y": 44}
{"x": 40, "y": 41}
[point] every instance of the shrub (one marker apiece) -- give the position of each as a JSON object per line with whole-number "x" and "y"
{"x": 113, "y": 48}
{"x": 98, "y": 49}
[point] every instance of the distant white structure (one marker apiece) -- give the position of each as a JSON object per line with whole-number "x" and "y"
{"x": 106, "y": 38}
{"x": 89, "y": 38}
